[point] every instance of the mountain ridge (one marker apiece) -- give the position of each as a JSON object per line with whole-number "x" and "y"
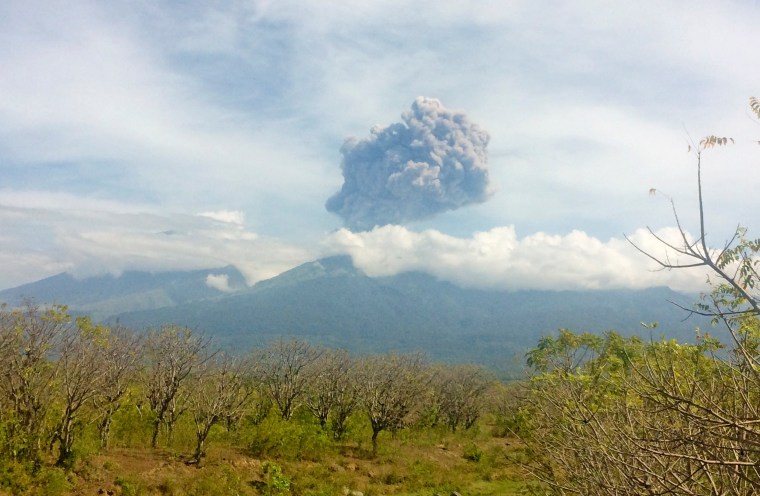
{"x": 103, "y": 295}
{"x": 331, "y": 302}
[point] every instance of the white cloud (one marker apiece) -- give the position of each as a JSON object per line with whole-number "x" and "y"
{"x": 498, "y": 259}
{"x": 229, "y": 216}
{"x": 219, "y": 281}
{"x": 115, "y": 249}
{"x": 48, "y": 238}
{"x": 112, "y": 238}
{"x": 62, "y": 201}
{"x": 21, "y": 266}
{"x": 96, "y": 90}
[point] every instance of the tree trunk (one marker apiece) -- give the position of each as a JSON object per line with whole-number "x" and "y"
{"x": 199, "y": 450}
{"x": 66, "y": 442}
{"x": 200, "y": 445}
{"x": 375, "y": 432}
{"x": 105, "y": 430}
{"x": 154, "y": 439}
{"x": 170, "y": 432}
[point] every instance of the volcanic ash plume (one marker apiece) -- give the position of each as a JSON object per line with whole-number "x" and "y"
{"x": 433, "y": 161}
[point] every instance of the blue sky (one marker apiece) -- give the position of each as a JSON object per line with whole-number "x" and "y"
{"x": 158, "y": 135}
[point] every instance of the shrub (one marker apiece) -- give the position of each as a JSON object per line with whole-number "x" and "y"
{"x": 277, "y": 438}
{"x": 472, "y": 453}
{"x": 53, "y": 481}
{"x": 275, "y": 481}
{"x": 128, "y": 488}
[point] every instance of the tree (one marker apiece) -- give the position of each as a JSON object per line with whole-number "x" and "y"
{"x": 389, "y": 388}
{"x": 459, "y": 390}
{"x": 30, "y": 336}
{"x": 220, "y": 390}
{"x": 733, "y": 268}
{"x": 623, "y": 417}
{"x": 81, "y": 370}
{"x": 121, "y": 360}
{"x": 331, "y": 391}
{"x": 642, "y": 418}
{"x": 173, "y": 353}
{"x": 283, "y": 368}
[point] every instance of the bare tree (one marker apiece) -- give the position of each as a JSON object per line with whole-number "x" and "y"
{"x": 81, "y": 371}
{"x": 8, "y": 349}
{"x": 7, "y": 336}
{"x": 733, "y": 267}
{"x": 389, "y": 388}
{"x": 173, "y": 353}
{"x": 331, "y": 392}
{"x": 282, "y": 369}
{"x": 31, "y": 336}
{"x": 121, "y": 359}
{"x": 221, "y": 390}
{"x": 459, "y": 392}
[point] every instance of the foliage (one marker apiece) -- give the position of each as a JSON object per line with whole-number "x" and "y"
{"x": 235, "y": 426}
{"x": 614, "y": 415}
{"x": 278, "y": 438}
{"x": 636, "y": 417}
{"x": 473, "y": 453}
{"x": 275, "y": 481}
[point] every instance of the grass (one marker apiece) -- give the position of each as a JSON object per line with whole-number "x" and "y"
{"x": 307, "y": 461}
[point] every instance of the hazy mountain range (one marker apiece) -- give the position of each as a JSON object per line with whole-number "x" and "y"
{"x": 329, "y": 301}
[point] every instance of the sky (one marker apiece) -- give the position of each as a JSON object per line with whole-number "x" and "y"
{"x": 494, "y": 144}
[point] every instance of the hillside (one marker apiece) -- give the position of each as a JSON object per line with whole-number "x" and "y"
{"x": 329, "y": 301}
{"x": 107, "y": 295}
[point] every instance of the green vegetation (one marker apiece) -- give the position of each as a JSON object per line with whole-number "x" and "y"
{"x": 87, "y": 409}
{"x": 613, "y": 415}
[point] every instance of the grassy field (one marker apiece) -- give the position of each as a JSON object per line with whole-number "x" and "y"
{"x": 277, "y": 457}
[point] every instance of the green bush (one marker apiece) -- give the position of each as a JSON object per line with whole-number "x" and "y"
{"x": 291, "y": 440}
{"x": 53, "y": 482}
{"x": 472, "y": 453}
{"x": 16, "y": 477}
{"x": 130, "y": 428}
{"x": 274, "y": 480}
{"x": 128, "y": 488}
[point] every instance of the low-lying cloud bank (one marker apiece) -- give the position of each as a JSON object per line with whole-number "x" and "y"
{"x": 85, "y": 238}
{"x": 498, "y": 259}
{"x": 89, "y": 239}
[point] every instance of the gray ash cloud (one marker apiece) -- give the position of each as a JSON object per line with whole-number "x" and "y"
{"x": 433, "y": 161}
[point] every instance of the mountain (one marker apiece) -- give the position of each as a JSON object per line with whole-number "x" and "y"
{"x": 331, "y": 302}
{"x": 107, "y": 295}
